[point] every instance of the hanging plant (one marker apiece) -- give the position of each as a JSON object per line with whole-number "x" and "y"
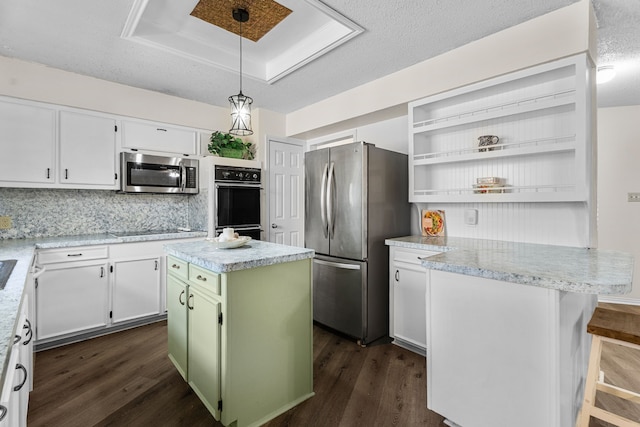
{"x": 227, "y": 145}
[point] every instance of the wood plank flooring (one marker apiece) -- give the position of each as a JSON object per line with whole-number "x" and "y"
{"x": 126, "y": 379}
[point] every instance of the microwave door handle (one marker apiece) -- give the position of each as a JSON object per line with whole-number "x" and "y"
{"x": 323, "y": 201}
{"x": 183, "y": 177}
{"x": 330, "y": 211}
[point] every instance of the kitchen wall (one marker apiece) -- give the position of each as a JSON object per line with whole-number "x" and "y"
{"x": 47, "y": 212}
{"x": 618, "y": 175}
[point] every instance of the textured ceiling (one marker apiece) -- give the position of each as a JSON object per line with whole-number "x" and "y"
{"x": 83, "y": 36}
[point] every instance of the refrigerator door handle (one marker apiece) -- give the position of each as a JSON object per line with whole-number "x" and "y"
{"x": 338, "y": 264}
{"x": 323, "y": 201}
{"x": 330, "y": 189}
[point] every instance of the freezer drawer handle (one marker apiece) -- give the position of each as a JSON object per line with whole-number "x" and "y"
{"x": 338, "y": 264}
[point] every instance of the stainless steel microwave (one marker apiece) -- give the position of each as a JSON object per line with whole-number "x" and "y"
{"x": 143, "y": 173}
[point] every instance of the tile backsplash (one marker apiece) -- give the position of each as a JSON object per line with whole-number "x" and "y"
{"x": 53, "y": 212}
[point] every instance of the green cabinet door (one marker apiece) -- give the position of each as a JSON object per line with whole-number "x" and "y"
{"x": 177, "y": 323}
{"x": 204, "y": 348}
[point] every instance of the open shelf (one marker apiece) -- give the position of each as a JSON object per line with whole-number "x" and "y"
{"x": 542, "y": 119}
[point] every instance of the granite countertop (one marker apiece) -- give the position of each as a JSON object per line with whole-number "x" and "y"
{"x": 23, "y": 251}
{"x": 256, "y": 253}
{"x": 571, "y": 269}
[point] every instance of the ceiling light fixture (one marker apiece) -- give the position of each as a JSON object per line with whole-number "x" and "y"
{"x": 605, "y": 73}
{"x": 240, "y": 104}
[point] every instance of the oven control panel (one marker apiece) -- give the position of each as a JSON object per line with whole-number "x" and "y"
{"x": 237, "y": 174}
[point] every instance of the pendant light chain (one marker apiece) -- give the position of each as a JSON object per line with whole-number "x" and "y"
{"x": 240, "y": 56}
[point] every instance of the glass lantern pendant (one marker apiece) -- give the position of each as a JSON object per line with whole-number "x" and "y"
{"x": 240, "y": 104}
{"x": 240, "y": 114}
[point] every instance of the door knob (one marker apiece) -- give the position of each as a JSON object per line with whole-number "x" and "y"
{"x": 274, "y": 226}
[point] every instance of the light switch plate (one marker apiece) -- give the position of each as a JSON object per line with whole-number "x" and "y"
{"x": 5, "y": 222}
{"x": 471, "y": 216}
{"x": 633, "y": 197}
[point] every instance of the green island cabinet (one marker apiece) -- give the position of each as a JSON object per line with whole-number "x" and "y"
{"x": 242, "y": 339}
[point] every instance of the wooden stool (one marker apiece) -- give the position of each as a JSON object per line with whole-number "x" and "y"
{"x": 617, "y": 327}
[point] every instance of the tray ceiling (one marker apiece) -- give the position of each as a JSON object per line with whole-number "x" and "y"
{"x": 282, "y": 36}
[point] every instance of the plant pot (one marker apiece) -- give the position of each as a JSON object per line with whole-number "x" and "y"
{"x": 231, "y": 152}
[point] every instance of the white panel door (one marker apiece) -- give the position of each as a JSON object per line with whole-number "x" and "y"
{"x": 286, "y": 193}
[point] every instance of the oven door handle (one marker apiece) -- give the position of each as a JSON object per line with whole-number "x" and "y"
{"x": 227, "y": 185}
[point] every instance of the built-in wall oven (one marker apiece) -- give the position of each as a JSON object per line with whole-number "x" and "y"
{"x": 236, "y": 200}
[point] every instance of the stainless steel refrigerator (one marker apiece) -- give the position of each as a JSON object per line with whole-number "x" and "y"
{"x": 356, "y": 197}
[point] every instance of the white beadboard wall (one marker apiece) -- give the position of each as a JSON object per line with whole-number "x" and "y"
{"x": 544, "y": 223}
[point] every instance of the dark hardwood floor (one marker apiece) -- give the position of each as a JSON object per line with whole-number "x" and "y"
{"x": 126, "y": 379}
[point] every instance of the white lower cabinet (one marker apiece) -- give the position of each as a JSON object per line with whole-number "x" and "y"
{"x": 90, "y": 289}
{"x": 407, "y": 291}
{"x": 72, "y": 297}
{"x": 14, "y": 396}
{"x": 136, "y": 289}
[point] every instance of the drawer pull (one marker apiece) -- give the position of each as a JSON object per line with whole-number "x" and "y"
{"x": 176, "y": 266}
{"x": 204, "y": 279}
{"x": 29, "y": 334}
{"x": 74, "y": 254}
{"x": 397, "y": 275}
{"x": 24, "y": 380}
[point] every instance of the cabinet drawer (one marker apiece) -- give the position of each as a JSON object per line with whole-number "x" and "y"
{"x": 51, "y": 256}
{"x": 178, "y": 267}
{"x": 411, "y": 256}
{"x": 205, "y": 278}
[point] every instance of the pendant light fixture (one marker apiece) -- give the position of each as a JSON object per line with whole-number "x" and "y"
{"x": 240, "y": 104}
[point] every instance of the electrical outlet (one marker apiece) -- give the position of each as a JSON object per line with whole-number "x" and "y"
{"x": 471, "y": 216}
{"x": 5, "y": 222}
{"x": 633, "y": 197}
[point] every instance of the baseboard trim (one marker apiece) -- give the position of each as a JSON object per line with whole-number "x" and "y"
{"x": 58, "y": 342}
{"x": 618, "y": 300}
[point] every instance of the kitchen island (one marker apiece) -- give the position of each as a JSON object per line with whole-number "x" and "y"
{"x": 506, "y": 327}
{"x": 240, "y": 327}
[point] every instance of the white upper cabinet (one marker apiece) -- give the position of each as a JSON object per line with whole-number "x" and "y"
{"x": 28, "y": 139}
{"x": 158, "y": 137}
{"x": 543, "y": 117}
{"x": 87, "y": 150}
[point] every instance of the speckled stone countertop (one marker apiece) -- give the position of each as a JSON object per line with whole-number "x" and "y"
{"x": 23, "y": 251}
{"x": 256, "y": 253}
{"x": 592, "y": 271}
